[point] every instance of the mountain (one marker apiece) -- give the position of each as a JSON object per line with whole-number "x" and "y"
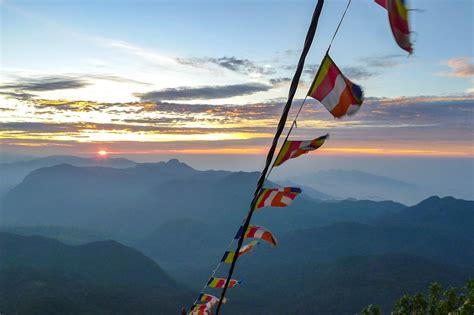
{"x": 361, "y": 185}
{"x": 307, "y": 190}
{"x": 14, "y": 172}
{"x": 131, "y": 203}
{"x": 44, "y": 276}
{"x": 341, "y": 286}
{"x": 351, "y": 239}
{"x": 67, "y": 235}
{"x": 445, "y": 214}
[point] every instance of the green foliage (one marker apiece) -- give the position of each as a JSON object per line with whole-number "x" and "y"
{"x": 372, "y": 309}
{"x": 453, "y": 301}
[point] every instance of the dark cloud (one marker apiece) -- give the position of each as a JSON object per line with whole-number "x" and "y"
{"x": 278, "y": 81}
{"x": 241, "y": 65}
{"x": 235, "y": 64}
{"x": 386, "y": 61}
{"x": 46, "y": 84}
{"x": 357, "y": 73}
{"x": 22, "y": 88}
{"x": 17, "y": 95}
{"x": 205, "y": 92}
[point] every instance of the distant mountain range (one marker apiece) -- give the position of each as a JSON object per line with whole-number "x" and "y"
{"x": 13, "y": 173}
{"x": 334, "y": 256}
{"x": 43, "y": 276}
{"x": 131, "y": 203}
{"x": 361, "y": 185}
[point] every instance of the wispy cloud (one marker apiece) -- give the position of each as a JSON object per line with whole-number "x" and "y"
{"x": 461, "y": 67}
{"x": 45, "y": 84}
{"x": 441, "y": 124}
{"x": 202, "y": 93}
{"x": 22, "y": 88}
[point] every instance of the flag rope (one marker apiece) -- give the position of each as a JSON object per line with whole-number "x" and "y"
{"x": 214, "y": 271}
{"x": 339, "y": 25}
{"x": 293, "y": 124}
{"x": 265, "y": 173}
{"x": 281, "y": 125}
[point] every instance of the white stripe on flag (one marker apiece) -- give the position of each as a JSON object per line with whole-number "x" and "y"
{"x": 268, "y": 201}
{"x": 258, "y": 234}
{"x": 332, "y": 99}
{"x": 287, "y": 201}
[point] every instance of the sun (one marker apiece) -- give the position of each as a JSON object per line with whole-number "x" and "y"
{"x": 102, "y": 153}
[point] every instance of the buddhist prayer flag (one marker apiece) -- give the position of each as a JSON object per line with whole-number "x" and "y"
{"x": 208, "y": 298}
{"x": 292, "y": 149}
{"x": 229, "y": 255}
{"x": 398, "y": 19}
{"x": 202, "y": 307}
{"x": 220, "y": 283}
{"x": 254, "y": 231}
{"x": 277, "y": 197}
{"x": 340, "y": 96}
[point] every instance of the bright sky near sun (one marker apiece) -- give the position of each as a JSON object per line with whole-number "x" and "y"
{"x": 210, "y": 77}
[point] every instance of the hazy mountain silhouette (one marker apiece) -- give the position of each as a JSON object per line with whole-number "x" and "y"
{"x": 44, "y": 276}
{"x": 361, "y": 185}
{"x": 329, "y": 250}
{"x": 13, "y": 173}
{"x": 65, "y": 234}
{"x": 131, "y": 203}
{"x": 307, "y": 190}
{"x": 445, "y": 214}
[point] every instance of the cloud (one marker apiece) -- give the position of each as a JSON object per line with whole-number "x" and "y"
{"x": 242, "y": 65}
{"x": 114, "y": 78}
{"x": 205, "y": 92}
{"x": 42, "y": 84}
{"x": 382, "y": 62}
{"x": 239, "y": 65}
{"x": 279, "y": 81}
{"x": 17, "y": 95}
{"x": 357, "y": 73}
{"x": 461, "y": 67}
{"x": 22, "y": 88}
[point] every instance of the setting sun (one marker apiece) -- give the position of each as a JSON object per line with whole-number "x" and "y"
{"x": 102, "y": 153}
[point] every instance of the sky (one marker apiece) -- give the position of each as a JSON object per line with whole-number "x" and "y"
{"x": 208, "y": 79}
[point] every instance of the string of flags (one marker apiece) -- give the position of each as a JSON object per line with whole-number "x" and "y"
{"x": 341, "y": 97}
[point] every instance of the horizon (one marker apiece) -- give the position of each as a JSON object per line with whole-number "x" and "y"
{"x": 424, "y": 173}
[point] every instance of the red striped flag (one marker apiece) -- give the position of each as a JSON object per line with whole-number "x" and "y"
{"x": 202, "y": 307}
{"x": 254, "y": 231}
{"x": 205, "y": 298}
{"x": 340, "y": 96}
{"x": 220, "y": 283}
{"x": 398, "y": 19}
{"x": 277, "y": 197}
{"x": 292, "y": 149}
{"x": 229, "y": 255}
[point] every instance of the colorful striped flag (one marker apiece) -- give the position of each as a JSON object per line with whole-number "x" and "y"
{"x": 220, "y": 283}
{"x": 398, "y": 19}
{"x": 292, "y": 149}
{"x": 229, "y": 255}
{"x": 202, "y": 307}
{"x": 200, "y": 312}
{"x": 339, "y": 95}
{"x": 254, "y": 231}
{"x": 277, "y": 197}
{"x": 208, "y": 298}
